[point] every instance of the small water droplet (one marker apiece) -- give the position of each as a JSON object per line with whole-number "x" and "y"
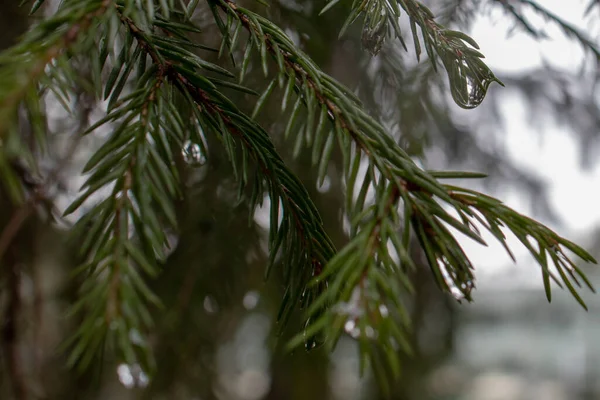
{"x": 383, "y": 310}
{"x": 312, "y": 342}
{"x": 132, "y": 376}
{"x": 125, "y": 376}
{"x": 351, "y": 329}
{"x": 467, "y": 287}
{"x": 250, "y": 300}
{"x": 349, "y": 325}
{"x": 136, "y": 338}
{"x": 459, "y": 293}
{"x": 192, "y": 154}
{"x": 370, "y": 332}
{"x": 210, "y": 305}
{"x": 304, "y": 298}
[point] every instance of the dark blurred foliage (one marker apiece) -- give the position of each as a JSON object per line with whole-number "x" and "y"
{"x": 219, "y": 257}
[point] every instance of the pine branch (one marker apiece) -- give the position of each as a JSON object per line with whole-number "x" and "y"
{"x": 468, "y": 75}
{"x": 124, "y": 233}
{"x": 173, "y": 96}
{"x": 390, "y": 171}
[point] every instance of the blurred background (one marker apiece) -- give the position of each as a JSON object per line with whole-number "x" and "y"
{"x": 218, "y": 337}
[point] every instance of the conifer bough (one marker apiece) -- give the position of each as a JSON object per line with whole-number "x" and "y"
{"x": 162, "y": 95}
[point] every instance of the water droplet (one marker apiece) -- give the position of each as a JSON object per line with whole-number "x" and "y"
{"x": 136, "y": 338}
{"x": 461, "y": 292}
{"x": 132, "y": 376}
{"x": 305, "y": 298}
{"x": 125, "y": 376}
{"x": 351, "y": 329}
{"x": 250, "y": 300}
{"x": 210, "y": 305}
{"x": 310, "y": 343}
{"x": 464, "y": 292}
{"x": 192, "y": 154}
{"x": 352, "y": 308}
{"x": 469, "y": 82}
{"x": 314, "y": 341}
{"x": 370, "y": 332}
{"x": 374, "y": 29}
{"x": 383, "y": 310}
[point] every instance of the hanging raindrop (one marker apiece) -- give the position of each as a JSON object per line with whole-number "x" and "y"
{"x": 192, "y": 154}
{"x": 352, "y": 329}
{"x": 251, "y": 299}
{"x": 210, "y": 305}
{"x": 370, "y": 332}
{"x": 305, "y": 298}
{"x": 132, "y": 376}
{"x": 314, "y": 341}
{"x": 463, "y": 292}
{"x": 469, "y": 82}
{"x": 460, "y": 291}
{"x": 383, "y": 311}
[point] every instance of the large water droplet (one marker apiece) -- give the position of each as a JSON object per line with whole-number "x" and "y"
{"x": 374, "y": 30}
{"x": 192, "y": 154}
{"x": 469, "y": 82}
